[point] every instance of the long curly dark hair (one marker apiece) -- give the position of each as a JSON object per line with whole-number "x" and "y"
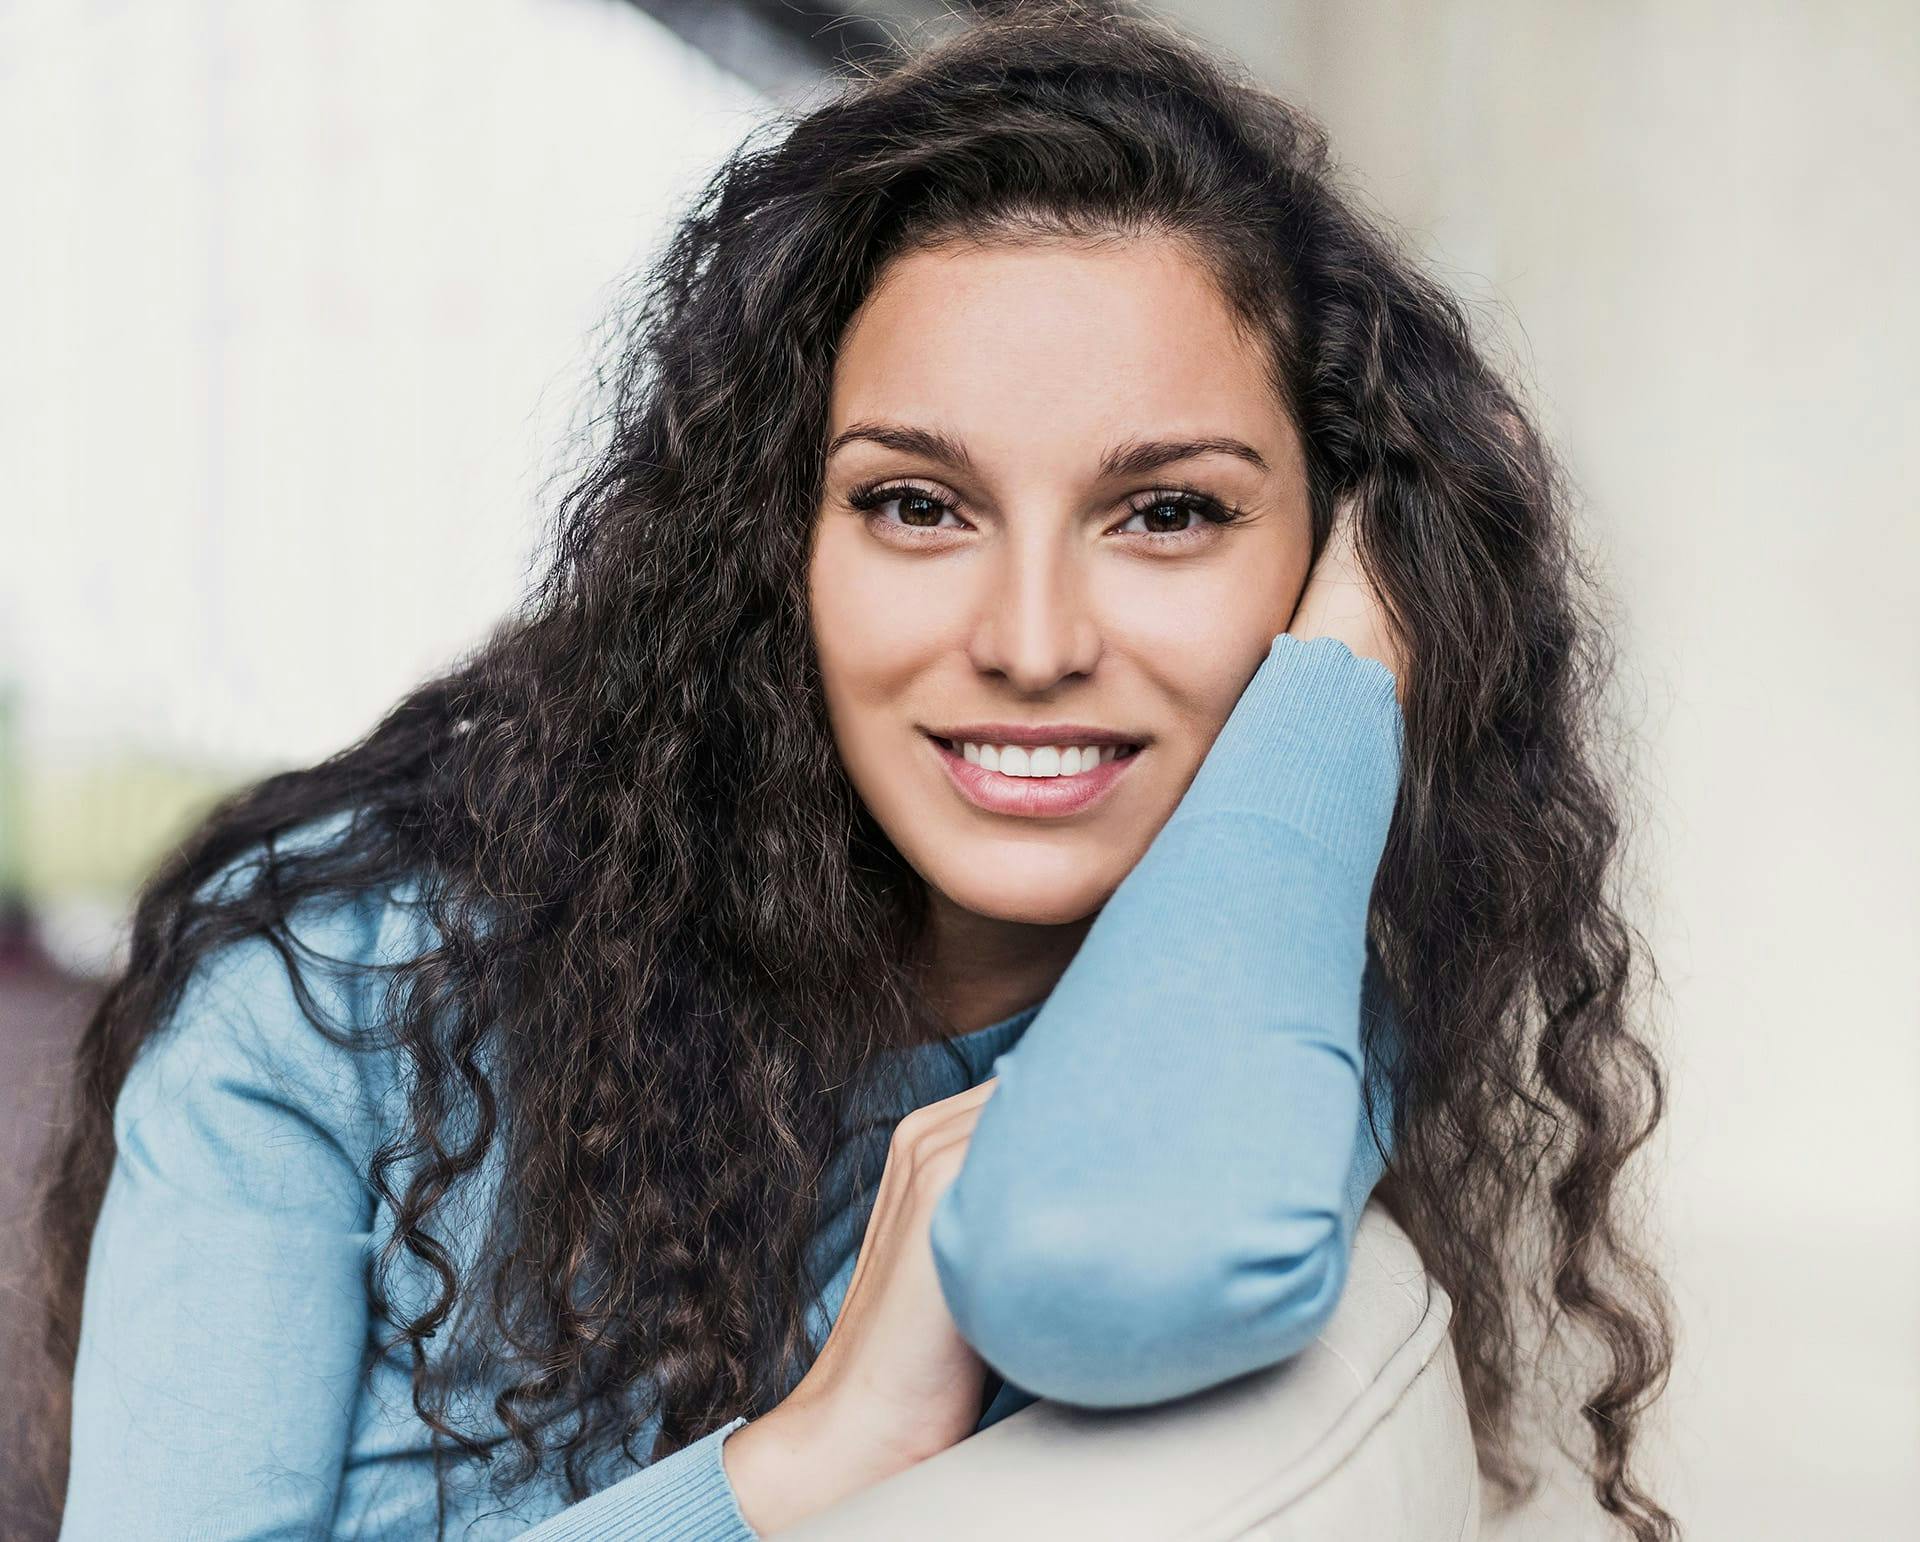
{"x": 654, "y": 891}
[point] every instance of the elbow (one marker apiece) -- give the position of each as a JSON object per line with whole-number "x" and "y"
{"x": 1131, "y": 1313}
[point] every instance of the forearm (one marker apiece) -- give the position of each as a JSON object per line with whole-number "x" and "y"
{"x": 1159, "y": 1195}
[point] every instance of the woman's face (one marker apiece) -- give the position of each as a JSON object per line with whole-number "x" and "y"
{"x": 1013, "y": 549}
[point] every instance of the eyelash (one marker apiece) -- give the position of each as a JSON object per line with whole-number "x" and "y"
{"x": 871, "y": 498}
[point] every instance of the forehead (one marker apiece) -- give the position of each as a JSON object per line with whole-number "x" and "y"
{"x": 1053, "y": 341}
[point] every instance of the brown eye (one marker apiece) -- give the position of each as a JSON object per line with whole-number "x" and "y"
{"x": 919, "y": 509}
{"x": 1178, "y": 514}
{"x": 1167, "y": 516}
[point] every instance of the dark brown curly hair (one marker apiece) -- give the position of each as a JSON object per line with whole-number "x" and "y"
{"x": 654, "y": 890}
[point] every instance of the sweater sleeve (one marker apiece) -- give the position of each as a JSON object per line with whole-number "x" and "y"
{"x": 1161, "y": 1193}
{"x": 225, "y": 1315}
{"x": 684, "y": 1496}
{"x": 225, "y": 1305}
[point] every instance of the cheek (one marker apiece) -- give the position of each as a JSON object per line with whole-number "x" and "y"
{"x": 868, "y": 630}
{"x": 1206, "y": 627}
{"x": 1201, "y": 646}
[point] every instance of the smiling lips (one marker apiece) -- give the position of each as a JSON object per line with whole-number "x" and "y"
{"x": 1036, "y": 781}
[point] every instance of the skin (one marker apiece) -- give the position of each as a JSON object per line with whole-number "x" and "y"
{"x": 1040, "y": 593}
{"x": 1045, "y": 591}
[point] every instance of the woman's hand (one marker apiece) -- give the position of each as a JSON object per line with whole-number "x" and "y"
{"x": 1339, "y": 601}
{"x": 894, "y": 1383}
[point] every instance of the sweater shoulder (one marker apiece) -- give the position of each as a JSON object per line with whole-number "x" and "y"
{"x": 290, "y": 1023}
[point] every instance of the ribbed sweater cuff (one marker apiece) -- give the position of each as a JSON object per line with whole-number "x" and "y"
{"x": 685, "y": 1497}
{"x": 1314, "y": 740}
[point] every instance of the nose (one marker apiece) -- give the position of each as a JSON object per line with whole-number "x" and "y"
{"x": 1034, "y": 624}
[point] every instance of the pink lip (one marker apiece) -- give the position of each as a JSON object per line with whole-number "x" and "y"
{"x": 1035, "y": 797}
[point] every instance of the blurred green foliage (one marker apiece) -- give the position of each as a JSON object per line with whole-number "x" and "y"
{"x": 96, "y": 827}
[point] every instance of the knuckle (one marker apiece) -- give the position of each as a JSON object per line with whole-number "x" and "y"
{"x": 910, "y": 1132}
{"x": 934, "y": 1173}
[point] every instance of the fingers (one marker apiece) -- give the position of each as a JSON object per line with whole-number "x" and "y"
{"x": 930, "y": 1116}
{"x": 923, "y": 1157}
{"x": 1340, "y": 532}
{"x": 929, "y": 1143}
{"x": 1339, "y": 560}
{"x": 1339, "y": 599}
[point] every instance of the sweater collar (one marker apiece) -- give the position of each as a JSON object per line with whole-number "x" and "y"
{"x": 940, "y": 1068}
{"x": 979, "y": 1048}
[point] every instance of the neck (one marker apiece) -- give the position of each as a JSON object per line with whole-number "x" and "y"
{"x": 983, "y": 969}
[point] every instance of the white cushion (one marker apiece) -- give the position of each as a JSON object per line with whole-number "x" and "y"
{"x": 1363, "y": 1434}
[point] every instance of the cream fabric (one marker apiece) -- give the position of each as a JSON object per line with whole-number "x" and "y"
{"x": 1364, "y": 1434}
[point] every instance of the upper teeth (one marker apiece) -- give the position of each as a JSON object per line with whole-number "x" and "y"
{"x": 1038, "y": 759}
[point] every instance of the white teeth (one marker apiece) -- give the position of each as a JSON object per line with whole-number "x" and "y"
{"x": 1039, "y": 759}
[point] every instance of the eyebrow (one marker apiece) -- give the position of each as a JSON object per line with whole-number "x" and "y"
{"x": 1129, "y": 459}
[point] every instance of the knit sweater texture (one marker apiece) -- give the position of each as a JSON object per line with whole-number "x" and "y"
{"x": 1160, "y": 1195}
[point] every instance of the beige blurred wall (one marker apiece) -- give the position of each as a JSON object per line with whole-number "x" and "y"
{"x": 295, "y": 336}
{"x": 1693, "y": 225}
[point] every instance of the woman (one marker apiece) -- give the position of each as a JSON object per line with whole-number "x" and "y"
{"x": 1052, "y": 762}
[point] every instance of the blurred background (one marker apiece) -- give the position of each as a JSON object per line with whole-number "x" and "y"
{"x": 299, "y": 305}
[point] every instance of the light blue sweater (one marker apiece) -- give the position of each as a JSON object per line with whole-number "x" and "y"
{"x": 1160, "y": 1195}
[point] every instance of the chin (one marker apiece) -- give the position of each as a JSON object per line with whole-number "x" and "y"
{"x": 1028, "y": 900}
